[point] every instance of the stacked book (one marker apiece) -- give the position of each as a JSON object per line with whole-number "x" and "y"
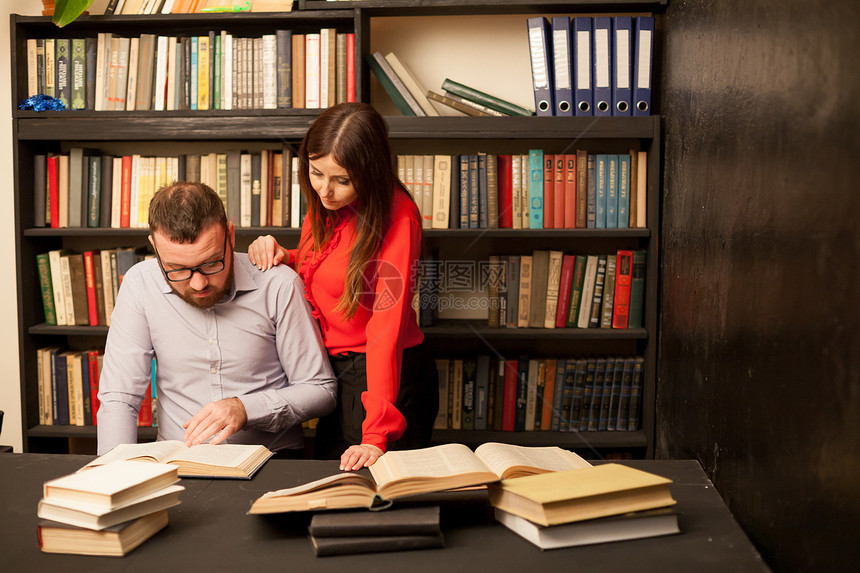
{"x": 412, "y": 99}
{"x": 108, "y": 510}
{"x": 599, "y": 504}
{"x": 345, "y": 533}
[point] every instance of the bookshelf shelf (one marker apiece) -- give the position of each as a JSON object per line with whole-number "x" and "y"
{"x": 143, "y": 433}
{"x": 570, "y": 440}
{"x": 291, "y": 124}
{"x": 480, "y": 329}
{"x": 460, "y": 8}
{"x": 523, "y": 127}
{"x": 244, "y": 232}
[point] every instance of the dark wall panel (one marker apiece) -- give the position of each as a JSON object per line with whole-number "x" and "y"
{"x": 760, "y": 301}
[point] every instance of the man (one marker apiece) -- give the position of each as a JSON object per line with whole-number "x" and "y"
{"x": 239, "y": 357}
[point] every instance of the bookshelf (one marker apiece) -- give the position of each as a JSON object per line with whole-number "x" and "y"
{"x": 45, "y": 132}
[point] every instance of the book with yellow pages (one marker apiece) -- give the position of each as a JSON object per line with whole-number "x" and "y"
{"x": 116, "y": 541}
{"x": 94, "y": 517}
{"x": 238, "y": 461}
{"x": 110, "y": 486}
{"x": 411, "y": 472}
{"x": 586, "y": 493}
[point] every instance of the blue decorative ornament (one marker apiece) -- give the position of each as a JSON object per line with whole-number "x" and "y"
{"x": 41, "y": 102}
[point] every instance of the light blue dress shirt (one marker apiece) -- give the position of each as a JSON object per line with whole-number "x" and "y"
{"x": 259, "y": 344}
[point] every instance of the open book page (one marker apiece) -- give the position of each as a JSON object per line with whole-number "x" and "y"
{"x": 428, "y": 469}
{"x": 326, "y": 482}
{"x": 158, "y": 451}
{"x": 506, "y": 460}
{"x": 222, "y": 455}
{"x": 339, "y": 491}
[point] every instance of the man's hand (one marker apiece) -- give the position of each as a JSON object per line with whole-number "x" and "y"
{"x": 219, "y": 419}
{"x": 360, "y": 456}
{"x": 265, "y": 252}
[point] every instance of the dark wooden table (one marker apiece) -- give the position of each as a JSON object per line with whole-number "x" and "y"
{"x": 211, "y": 531}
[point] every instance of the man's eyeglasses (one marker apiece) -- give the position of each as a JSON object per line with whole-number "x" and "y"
{"x": 180, "y": 275}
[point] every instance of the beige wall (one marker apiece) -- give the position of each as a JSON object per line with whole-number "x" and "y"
{"x": 487, "y": 53}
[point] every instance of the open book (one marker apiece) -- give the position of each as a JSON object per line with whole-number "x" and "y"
{"x": 411, "y": 472}
{"x": 204, "y": 460}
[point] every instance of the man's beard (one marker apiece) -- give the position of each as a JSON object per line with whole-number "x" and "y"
{"x": 212, "y": 298}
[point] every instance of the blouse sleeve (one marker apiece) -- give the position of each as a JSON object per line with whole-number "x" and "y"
{"x": 385, "y": 330}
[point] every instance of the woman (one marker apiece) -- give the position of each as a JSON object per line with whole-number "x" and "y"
{"x": 358, "y": 254}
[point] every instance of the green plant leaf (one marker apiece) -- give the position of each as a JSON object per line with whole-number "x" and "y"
{"x": 65, "y": 11}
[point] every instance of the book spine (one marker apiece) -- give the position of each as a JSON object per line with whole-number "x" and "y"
{"x": 535, "y": 188}
{"x": 623, "y": 276}
{"x": 548, "y": 191}
{"x": 63, "y": 67}
{"x": 284, "y": 59}
{"x": 485, "y": 99}
{"x": 637, "y": 289}
{"x": 78, "y": 73}
{"x": 43, "y": 267}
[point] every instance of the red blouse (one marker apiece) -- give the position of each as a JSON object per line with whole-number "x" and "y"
{"x": 384, "y": 323}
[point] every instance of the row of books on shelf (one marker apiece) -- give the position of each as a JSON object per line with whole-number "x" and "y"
{"x": 83, "y": 188}
{"x": 540, "y": 394}
{"x": 550, "y": 289}
{"x": 546, "y": 289}
{"x": 80, "y": 288}
{"x": 214, "y": 71}
{"x": 68, "y": 384}
{"x": 592, "y": 66}
{"x": 536, "y": 190}
{"x": 144, "y": 7}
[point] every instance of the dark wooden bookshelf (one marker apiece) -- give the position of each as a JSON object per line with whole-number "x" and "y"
{"x": 54, "y": 131}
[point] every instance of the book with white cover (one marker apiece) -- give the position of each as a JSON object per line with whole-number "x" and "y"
{"x": 94, "y": 517}
{"x": 112, "y": 485}
{"x": 636, "y": 525}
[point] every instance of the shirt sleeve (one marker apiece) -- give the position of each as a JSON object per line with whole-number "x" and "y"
{"x": 126, "y": 371}
{"x": 392, "y": 309}
{"x": 311, "y": 388}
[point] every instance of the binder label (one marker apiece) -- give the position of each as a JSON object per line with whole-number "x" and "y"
{"x": 622, "y": 75}
{"x": 643, "y": 79}
{"x": 539, "y": 69}
{"x": 583, "y": 63}
{"x": 560, "y": 54}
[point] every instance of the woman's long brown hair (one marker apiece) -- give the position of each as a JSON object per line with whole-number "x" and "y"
{"x": 356, "y": 137}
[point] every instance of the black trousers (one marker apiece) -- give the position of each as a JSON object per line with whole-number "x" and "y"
{"x": 418, "y": 401}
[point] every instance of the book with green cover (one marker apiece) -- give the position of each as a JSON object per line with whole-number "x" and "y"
{"x": 484, "y": 98}
{"x": 381, "y": 68}
{"x": 79, "y": 76}
{"x": 44, "y": 267}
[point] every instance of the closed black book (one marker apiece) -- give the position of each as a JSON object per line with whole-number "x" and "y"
{"x": 284, "y": 68}
{"x": 326, "y": 546}
{"x": 256, "y": 188}
{"x": 40, "y": 189}
{"x": 422, "y": 520}
{"x": 90, "y": 74}
{"x": 454, "y": 201}
{"x": 106, "y": 195}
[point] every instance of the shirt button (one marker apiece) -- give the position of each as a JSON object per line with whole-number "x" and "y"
{"x": 212, "y": 371}
{"x": 211, "y": 341}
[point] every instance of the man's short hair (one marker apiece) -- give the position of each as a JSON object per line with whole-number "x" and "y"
{"x": 181, "y": 210}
